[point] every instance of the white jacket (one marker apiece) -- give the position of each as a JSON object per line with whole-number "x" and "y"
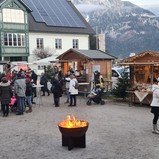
{"x": 155, "y": 96}
{"x": 72, "y": 89}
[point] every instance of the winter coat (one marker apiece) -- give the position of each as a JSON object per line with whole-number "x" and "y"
{"x": 34, "y": 77}
{"x": 43, "y": 81}
{"x": 57, "y": 88}
{"x": 155, "y": 96}
{"x": 5, "y": 93}
{"x": 72, "y": 89}
{"x": 29, "y": 89}
{"x": 20, "y": 87}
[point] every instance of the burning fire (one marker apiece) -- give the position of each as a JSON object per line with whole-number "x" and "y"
{"x": 72, "y": 122}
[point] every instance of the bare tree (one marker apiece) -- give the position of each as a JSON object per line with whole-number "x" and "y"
{"x": 43, "y": 53}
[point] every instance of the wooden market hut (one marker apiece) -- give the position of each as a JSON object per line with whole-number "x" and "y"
{"x": 86, "y": 62}
{"x": 144, "y": 71}
{"x": 144, "y": 67}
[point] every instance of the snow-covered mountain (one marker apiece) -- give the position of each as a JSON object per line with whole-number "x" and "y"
{"x": 128, "y": 27}
{"x": 153, "y": 8}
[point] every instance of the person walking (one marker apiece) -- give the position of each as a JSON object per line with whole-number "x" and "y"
{"x": 56, "y": 90}
{"x": 20, "y": 89}
{"x": 5, "y": 95}
{"x": 73, "y": 90}
{"x": 155, "y": 107}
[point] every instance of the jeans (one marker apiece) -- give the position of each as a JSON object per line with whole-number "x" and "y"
{"x": 155, "y": 119}
{"x": 73, "y": 100}
{"x": 29, "y": 100}
{"x": 5, "y": 109}
{"x": 21, "y": 104}
{"x": 56, "y": 101}
{"x": 68, "y": 94}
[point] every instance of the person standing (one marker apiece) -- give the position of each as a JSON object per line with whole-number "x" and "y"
{"x": 5, "y": 95}
{"x": 72, "y": 90}
{"x": 43, "y": 81}
{"x": 56, "y": 90}
{"x": 67, "y": 80}
{"x": 28, "y": 93}
{"x": 34, "y": 77}
{"x": 155, "y": 107}
{"x": 20, "y": 89}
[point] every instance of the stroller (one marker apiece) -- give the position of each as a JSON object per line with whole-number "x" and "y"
{"x": 12, "y": 104}
{"x": 96, "y": 97}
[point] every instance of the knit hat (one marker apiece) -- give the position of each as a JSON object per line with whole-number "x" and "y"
{"x": 19, "y": 75}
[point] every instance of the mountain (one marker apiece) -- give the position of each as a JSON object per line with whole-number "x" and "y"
{"x": 128, "y": 27}
{"x": 153, "y": 8}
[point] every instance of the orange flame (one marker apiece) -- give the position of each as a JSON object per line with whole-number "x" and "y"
{"x": 72, "y": 122}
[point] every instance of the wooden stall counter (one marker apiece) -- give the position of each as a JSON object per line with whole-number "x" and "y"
{"x": 141, "y": 97}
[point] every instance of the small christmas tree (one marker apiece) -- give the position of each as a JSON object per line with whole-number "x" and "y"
{"x": 50, "y": 71}
{"x": 122, "y": 85}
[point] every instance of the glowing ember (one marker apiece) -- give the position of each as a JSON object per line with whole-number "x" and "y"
{"x": 72, "y": 122}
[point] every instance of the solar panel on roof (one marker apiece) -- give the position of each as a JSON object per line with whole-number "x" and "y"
{"x": 54, "y": 13}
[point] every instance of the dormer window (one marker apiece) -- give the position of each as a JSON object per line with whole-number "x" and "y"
{"x": 13, "y": 15}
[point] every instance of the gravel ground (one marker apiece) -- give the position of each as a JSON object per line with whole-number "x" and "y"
{"x": 116, "y": 131}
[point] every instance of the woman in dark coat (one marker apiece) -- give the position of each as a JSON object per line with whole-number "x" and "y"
{"x": 56, "y": 90}
{"x": 5, "y": 95}
{"x": 43, "y": 81}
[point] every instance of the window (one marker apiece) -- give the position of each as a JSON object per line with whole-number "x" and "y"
{"x": 75, "y": 43}
{"x": 58, "y": 43}
{"x": 40, "y": 43}
{"x": 14, "y": 39}
{"x": 13, "y": 15}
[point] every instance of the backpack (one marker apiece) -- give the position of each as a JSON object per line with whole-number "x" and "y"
{"x": 76, "y": 85}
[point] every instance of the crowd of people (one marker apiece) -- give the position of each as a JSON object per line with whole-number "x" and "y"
{"x": 70, "y": 82}
{"x": 17, "y": 90}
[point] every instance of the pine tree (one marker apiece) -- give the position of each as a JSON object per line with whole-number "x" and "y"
{"x": 50, "y": 71}
{"x": 122, "y": 85}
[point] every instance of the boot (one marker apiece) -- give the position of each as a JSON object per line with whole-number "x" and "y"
{"x": 43, "y": 93}
{"x": 155, "y": 131}
{"x": 29, "y": 110}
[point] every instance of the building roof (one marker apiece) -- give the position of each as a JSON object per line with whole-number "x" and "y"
{"x": 90, "y": 54}
{"x": 60, "y": 17}
{"x": 26, "y": 6}
{"x": 54, "y": 16}
{"x": 140, "y": 58}
{"x": 46, "y": 60}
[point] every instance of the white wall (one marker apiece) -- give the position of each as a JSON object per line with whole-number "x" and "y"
{"x": 49, "y": 41}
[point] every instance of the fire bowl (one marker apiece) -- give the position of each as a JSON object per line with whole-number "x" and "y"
{"x": 74, "y": 136}
{"x": 73, "y": 132}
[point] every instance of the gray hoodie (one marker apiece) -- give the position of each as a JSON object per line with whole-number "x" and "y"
{"x": 20, "y": 87}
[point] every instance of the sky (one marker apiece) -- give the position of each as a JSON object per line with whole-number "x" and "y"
{"x": 144, "y": 2}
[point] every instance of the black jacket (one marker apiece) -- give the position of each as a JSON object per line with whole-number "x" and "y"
{"x": 5, "y": 93}
{"x": 29, "y": 89}
{"x": 57, "y": 88}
